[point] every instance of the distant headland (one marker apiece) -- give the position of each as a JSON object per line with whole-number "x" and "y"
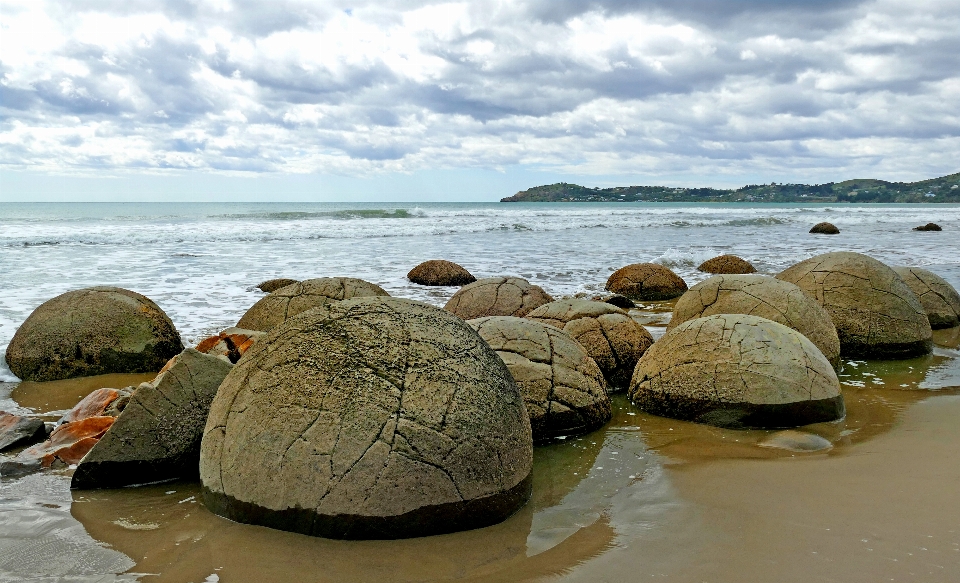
{"x": 943, "y": 189}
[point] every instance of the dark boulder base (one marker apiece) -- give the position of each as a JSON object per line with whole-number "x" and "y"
{"x": 424, "y": 521}
{"x": 17, "y": 431}
{"x": 853, "y": 347}
{"x": 928, "y": 227}
{"x": 272, "y": 285}
{"x": 825, "y": 229}
{"x": 741, "y": 415}
{"x": 440, "y": 272}
{"x": 622, "y": 302}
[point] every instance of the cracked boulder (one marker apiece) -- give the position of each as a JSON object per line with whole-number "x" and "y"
{"x": 646, "y": 282}
{"x": 727, "y": 264}
{"x": 562, "y": 387}
{"x": 92, "y": 331}
{"x": 293, "y": 299}
{"x": 497, "y": 296}
{"x": 738, "y": 371}
{"x": 876, "y": 314}
{"x": 157, "y": 434}
{"x": 272, "y": 285}
{"x": 370, "y": 418}
{"x": 614, "y": 340}
{"x": 939, "y": 299}
{"x": 767, "y": 297}
{"x": 440, "y": 272}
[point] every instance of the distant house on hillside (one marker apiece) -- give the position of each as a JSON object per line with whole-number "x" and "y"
{"x": 930, "y": 195}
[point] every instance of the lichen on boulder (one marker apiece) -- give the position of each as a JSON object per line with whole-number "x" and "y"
{"x": 939, "y": 299}
{"x": 497, "y": 296}
{"x": 296, "y": 298}
{"x": 646, "y": 282}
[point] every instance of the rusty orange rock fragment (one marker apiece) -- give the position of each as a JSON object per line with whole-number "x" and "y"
{"x": 93, "y": 405}
{"x": 232, "y": 343}
{"x": 70, "y": 441}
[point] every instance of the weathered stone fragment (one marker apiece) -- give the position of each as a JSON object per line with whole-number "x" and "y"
{"x": 92, "y": 331}
{"x": 103, "y": 402}
{"x": 372, "y": 417}
{"x": 825, "y": 229}
{"x": 291, "y": 300}
{"x": 497, "y": 296}
{"x": 231, "y": 343}
{"x": 735, "y": 370}
{"x": 18, "y": 431}
{"x": 440, "y": 272}
{"x": 67, "y": 445}
{"x": 876, "y": 314}
{"x": 939, "y": 299}
{"x": 272, "y": 285}
{"x": 646, "y": 282}
{"x": 727, "y": 264}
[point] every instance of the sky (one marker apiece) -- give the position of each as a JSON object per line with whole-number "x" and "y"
{"x": 419, "y": 100}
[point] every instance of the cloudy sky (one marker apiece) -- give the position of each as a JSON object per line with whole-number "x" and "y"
{"x": 403, "y": 99}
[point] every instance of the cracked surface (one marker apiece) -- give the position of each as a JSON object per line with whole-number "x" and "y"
{"x": 646, "y": 282}
{"x": 157, "y": 435}
{"x": 440, "y": 272}
{"x": 611, "y": 338}
{"x": 368, "y": 418}
{"x": 497, "y": 296}
{"x": 876, "y": 314}
{"x": 562, "y": 387}
{"x": 763, "y": 296}
{"x": 92, "y": 331}
{"x": 736, "y": 370}
{"x": 939, "y": 299}
{"x": 293, "y": 299}
{"x": 727, "y": 264}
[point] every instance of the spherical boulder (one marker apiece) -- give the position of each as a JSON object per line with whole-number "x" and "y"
{"x": 646, "y": 282}
{"x": 370, "y": 418}
{"x": 939, "y": 299}
{"x": 92, "y": 331}
{"x": 738, "y": 371}
{"x": 562, "y": 387}
{"x": 497, "y": 296}
{"x": 289, "y": 301}
{"x": 767, "y": 297}
{"x": 727, "y": 264}
{"x": 876, "y": 314}
{"x": 612, "y": 338}
{"x": 272, "y": 285}
{"x": 825, "y": 229}
{"x": 928, "y": 227}
{"x": 440, "y": 272}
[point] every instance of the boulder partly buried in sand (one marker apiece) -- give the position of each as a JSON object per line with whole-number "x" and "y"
{"x": 739, "y": 371}
{"x": 646, "y": 282}
{"x": 368, "y": 418}
{"x": 92, "y": 331}
{"x": 17, "y": 431}
{"x": 562, "y": 387}
{"x": 939, "y": 299}
{"x": 825, "y": 229}
{"x": 497, "y": 296}
{"x": 767, "y": 297}
{"x": 293, "y": 299}
{"x": 727, "y": 264}
{"x": 876, "y": 314}
{"x": 440, "y": 272}
{"x": 157, "y": 435}
{"x": 614, "y": 340}
{"x": 272, "y": 285}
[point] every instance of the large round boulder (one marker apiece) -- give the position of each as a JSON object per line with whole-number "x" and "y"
{"x": 767, "y": 297}
{"x": 727, "y": 264}
{"x": 497, "y": 296}
{"x": 293, "y": 299}
{"x": 876, "y": 314}
{"x": 614, "y": 340}
{"x": 92, "y": 331}
{"x": 373, "y": 417}
{"x": 739, "y": 371}
{"x": 562, "y": 387}
{"x": 646, "y": 282}
{"x": 939, "y": 299}
{"x": 440, "y": 272}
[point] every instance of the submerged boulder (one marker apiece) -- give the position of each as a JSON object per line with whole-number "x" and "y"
{"x": 646, "y": 282}
{"x": 876, "y": 314}
{"x": 440, "y": 272}
{"x": 272, "y": 285}
{"x": 735, "y": 370}
{"x": 928, "y": 227}
{"x": 92, "y": 331}
{"x": 497, "y": 296}
{"x": 293, "y": 299}
{"x": 727, "y": 264}
{"x": 17, "y": 431}
{"x": 231, "y": 343}
{"x": 611, "y": 338}
{"x": 767, "y": 297}
{"x": 368, "y": 418}
{"x": 825, "y": 229}
{"x": 157, "y": 435}
{"x": 939, "y": 299}
{"x": 562, "y": 387}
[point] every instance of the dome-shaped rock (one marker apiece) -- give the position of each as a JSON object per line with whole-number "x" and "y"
{"x": 727, "y": 264}
{"x": 612, "y": 338}
{"x": 767, "y": 297}
{"x": 735, "y": 370}
{"x": 272, "y": 285}
{"x": 373, "y": 417}
{"x": 289, "y": 301}
{"x": 939, "y": 299}
{"x": 646, "y": 282}
{"x": 562, "y": 387}
{"x": 497, "y": 296}
{"x": 92, "y": 331}
{"x": 440, "y": 272}
{"x": 825, "y": 229}
{"x": 876, "y": 314}
{"x": 928, "y": 227}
